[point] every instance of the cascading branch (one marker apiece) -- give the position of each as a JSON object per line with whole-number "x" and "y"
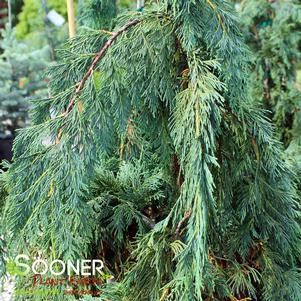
{"x": 97, "y": 13}
{"x": 196, "y": 176}
{"x": 272, "y": 31}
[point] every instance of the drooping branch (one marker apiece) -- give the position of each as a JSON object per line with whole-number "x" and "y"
{"x": 249, "y": 133}
{"x": 96, "y": 60}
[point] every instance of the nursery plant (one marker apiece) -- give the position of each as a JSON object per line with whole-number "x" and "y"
{"x": 151, "y": 155}
{"x": 31, "y": 18}
{"x": 21, "y": 75}
{"x": 272, "y": 29}
{"x": 97, "y": 14}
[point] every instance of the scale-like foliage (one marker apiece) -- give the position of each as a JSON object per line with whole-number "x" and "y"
{"x": 168, "y": 95}
{"x": 97, "y": 13}
{"x": 272, "y": 31}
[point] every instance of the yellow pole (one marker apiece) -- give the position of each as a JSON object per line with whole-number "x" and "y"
{"x": 71, "y": 18}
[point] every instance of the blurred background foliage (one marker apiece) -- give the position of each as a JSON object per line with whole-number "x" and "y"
{"x": 21, "y": 76}
{"x": 31, "y": 17}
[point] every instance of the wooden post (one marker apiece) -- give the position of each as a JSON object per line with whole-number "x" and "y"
{"x": 9, "y": 13}
{"x": 71, "y": 18}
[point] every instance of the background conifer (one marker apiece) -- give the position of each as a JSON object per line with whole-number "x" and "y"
{"x": 272, "y": 29}
{"x": 21, "y": 71}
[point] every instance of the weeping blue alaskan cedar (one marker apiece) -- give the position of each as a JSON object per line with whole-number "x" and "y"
{"x": 158, "y": 162}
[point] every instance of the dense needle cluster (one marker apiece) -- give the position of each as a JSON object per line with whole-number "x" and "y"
{"x": 97, "y": 14}
{"x": 271, "y": 29}
{"x": 155, "y": 159}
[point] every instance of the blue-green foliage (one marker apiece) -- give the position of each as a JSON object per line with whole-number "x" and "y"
{"x": 272, "y": 30}
{"x": 97, "y": 13}
{"x": 170, "y": 100}
{"x": 21, "y": 70}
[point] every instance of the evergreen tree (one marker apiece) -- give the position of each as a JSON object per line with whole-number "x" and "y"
{"x": 155, "y": 141}
{"x": 97, "y": 13}
{"x": 272, "y": 31}
{"x": 21, "y": 76}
